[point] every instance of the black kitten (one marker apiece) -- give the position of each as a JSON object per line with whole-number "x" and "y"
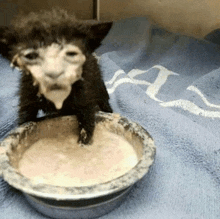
{"x": 59, "y": 73}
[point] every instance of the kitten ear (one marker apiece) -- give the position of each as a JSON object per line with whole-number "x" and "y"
{"x": 97, "y": 33}
{"x": 5, "y": 40}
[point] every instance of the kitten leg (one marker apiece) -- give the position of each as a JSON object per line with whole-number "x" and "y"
{"x": 105, "y": 106}
{"x": 86, "y": 120}
{"x": 27, "y": 113}
{"x": 103, "y": 101}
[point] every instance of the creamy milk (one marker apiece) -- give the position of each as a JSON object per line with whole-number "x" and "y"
{"x": 61, "y": 161}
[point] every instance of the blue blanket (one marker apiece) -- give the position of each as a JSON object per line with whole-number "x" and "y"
{"x": 169, "y": 84}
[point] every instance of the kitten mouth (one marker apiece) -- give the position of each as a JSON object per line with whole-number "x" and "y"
{"x": 57, "y": 94}
{"x": 55, "y": 87}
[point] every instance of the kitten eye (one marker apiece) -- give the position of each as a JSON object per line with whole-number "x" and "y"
{"x": 32, "y": 56}
{"x": 71, "y": 54}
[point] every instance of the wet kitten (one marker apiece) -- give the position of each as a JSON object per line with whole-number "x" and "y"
{"x": 59, "y": 73}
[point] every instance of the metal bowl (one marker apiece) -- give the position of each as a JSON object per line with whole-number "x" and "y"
{"x": 75, "y": 202}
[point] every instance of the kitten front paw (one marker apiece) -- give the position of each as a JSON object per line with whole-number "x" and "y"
{"x": 84, "y": 138}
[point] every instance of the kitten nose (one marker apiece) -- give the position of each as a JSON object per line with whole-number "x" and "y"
{"x": 53, "y": 75}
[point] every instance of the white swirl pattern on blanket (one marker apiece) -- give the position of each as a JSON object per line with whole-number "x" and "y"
{"x": 153, "y": 89}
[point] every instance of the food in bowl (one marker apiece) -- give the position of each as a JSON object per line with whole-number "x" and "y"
{"x": 61, "y": 161}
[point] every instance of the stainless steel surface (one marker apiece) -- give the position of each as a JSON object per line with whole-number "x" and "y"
{"x": 83, "y": 209}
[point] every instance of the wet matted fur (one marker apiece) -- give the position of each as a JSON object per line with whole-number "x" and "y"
{"x": 60, "y": 75}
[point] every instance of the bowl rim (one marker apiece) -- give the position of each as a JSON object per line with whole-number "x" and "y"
{"x": 15, "y": 179}
{"x": 90, "y": 206}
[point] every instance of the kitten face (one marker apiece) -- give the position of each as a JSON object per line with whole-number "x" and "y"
{"x": 51, "y": 46}
{"x": 54, "y": 69}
